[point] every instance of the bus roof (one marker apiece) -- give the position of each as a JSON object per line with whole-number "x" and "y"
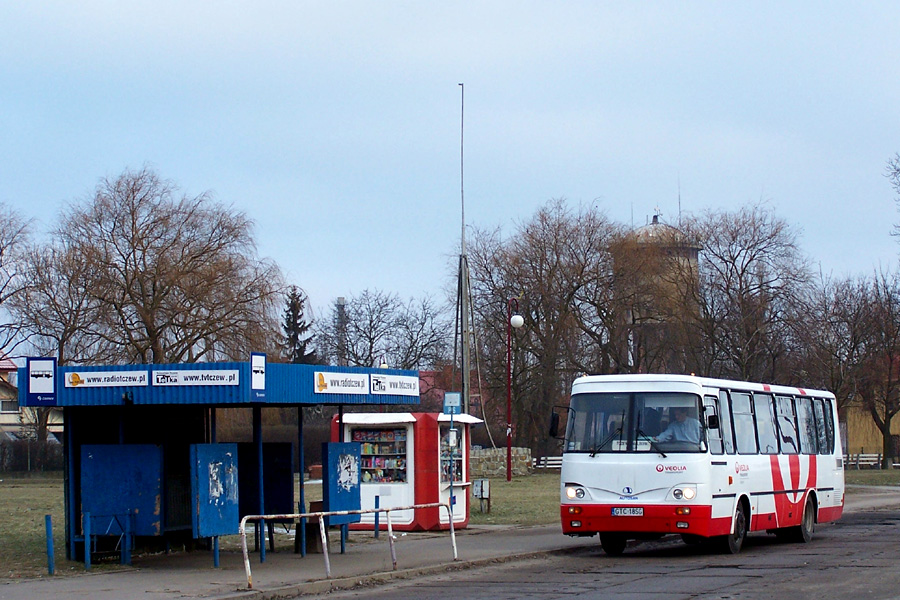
{"x": 691, "y": 383}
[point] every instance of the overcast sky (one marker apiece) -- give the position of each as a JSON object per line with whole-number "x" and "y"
{"x": 336, "y": 125}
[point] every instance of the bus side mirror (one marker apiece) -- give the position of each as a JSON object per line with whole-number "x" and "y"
{"x": 554, "y": 424}
{"x": 712, "y": 421}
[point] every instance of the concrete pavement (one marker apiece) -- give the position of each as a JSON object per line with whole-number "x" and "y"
{"x": 285, "y": 574}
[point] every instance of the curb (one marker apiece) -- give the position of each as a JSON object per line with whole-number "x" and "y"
{"x": 322, "y": 586}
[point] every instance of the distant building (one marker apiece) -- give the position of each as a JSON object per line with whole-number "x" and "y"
{"x": 656, "y": 270}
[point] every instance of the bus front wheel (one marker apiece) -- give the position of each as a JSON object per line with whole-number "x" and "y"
{"x": 735, "y": 540}
{"x": 613, "y": 543}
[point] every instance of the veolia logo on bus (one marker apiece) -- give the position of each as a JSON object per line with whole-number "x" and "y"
{"x": 671, "y": 468}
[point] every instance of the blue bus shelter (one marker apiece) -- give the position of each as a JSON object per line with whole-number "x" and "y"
{"x": 142, "y": 458}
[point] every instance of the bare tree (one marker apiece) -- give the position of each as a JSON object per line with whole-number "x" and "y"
{"x": 177, "y": 278}
{"x": 892, "y": 172}
{"x": 377, "y": 327}
{"x": 752, "y": 277}
{"x": 833, "y": 337}
{"x": 878, "y": 379}
{"x": 14, "y": 237}
{"x": 57, "y": 312}
{"x": 552, "y": 265}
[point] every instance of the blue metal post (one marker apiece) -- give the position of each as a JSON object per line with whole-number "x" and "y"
{"x": 125, "y": 557}
{"x": 71, "y": 485}
{"x": 87, "y": 541}
{"x": 301, "y": 526}
{"x": 452, "y": 465}
{"x": 377, "y": 514}
{"x": 257, "y": 437}
{"x": 344, "y": 530}
{"x": 212, "y": 439}
{"x": 51, "y": 563}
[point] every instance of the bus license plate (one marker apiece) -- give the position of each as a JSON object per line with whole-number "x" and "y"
{"x": 628, "y": 511}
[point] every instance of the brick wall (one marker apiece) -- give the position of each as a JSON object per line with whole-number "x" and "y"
{"x": 491, "y": 462}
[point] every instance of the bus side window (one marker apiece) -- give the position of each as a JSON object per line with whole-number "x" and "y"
{"x": 787, "y": 424}
{"x": 824, "y": 425}
{"x": 829, "y": 424}
{"x": 744, "y": 432}
{"x": 806, "y": 424}
{"x": 765, "y": 423}
{"x": 725, "y": 422}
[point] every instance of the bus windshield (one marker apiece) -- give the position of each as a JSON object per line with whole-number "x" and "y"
{"x": 635, "y": 422}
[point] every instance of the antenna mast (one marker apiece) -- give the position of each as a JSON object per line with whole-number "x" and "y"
{"x": 679, "y": 200}
{"x": 463, "y": 264}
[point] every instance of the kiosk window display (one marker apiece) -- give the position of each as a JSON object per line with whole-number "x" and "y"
{"x": 383, "y": 453}
{"x": 411, "y": 458}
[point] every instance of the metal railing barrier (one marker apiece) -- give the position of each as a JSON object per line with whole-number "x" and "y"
{"x": 324, "y": 534}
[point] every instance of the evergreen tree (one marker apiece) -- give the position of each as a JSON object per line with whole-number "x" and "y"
{"x": 297, "y": 340}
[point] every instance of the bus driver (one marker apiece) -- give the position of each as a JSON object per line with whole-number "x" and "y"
{"x": 682, "y": 429}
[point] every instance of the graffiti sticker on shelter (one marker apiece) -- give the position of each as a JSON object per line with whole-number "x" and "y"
{"x": 348, "y": 472}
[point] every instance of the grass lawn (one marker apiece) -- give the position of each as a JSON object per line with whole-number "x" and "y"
{"x": 532, "y": 500}
{"x": 871, "y": 477}
{"x": 23, "y": 506}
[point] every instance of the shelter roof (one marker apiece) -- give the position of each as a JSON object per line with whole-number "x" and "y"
{"x": 222, "y": 384}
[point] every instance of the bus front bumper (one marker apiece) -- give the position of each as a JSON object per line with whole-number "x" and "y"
{"x": 588, "y": 519}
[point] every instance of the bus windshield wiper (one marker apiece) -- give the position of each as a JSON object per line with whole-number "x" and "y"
{"x": 605, "y": 441}
{"x": 653, "y": 443}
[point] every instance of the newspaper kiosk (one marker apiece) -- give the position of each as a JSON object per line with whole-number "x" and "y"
{"x": 411, "y": 458}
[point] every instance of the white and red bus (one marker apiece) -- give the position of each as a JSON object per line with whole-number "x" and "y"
{"x": 650, "y": 455}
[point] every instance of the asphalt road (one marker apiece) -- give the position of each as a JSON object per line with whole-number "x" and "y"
{"x": 853, "y": 559}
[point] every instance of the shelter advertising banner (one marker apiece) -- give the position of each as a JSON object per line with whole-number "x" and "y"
{"x": 88, "y": 379}
{"x": 332, "y": 382}
{"x": 197, "y": 377}
{"x": 395, "y": 385}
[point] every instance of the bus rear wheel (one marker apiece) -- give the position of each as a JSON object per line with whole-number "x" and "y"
{"x": 804, "y": 531}
{"x": 613, "y": 543}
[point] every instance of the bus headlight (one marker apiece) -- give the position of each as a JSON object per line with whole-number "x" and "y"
{"x": 574, "y": 492}
{"x": 684, "y": 493}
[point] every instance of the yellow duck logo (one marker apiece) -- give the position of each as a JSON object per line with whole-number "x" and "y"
{"x": 321, "y": 386}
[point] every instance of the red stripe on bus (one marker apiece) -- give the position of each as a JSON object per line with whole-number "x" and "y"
{"x": 789, "y": 500}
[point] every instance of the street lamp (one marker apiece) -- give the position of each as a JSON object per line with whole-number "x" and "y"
{"x": 513, "y": 320}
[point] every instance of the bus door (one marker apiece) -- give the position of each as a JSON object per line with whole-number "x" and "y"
{"x": 711, "y": 423}
{"x": 721, "y": 444}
